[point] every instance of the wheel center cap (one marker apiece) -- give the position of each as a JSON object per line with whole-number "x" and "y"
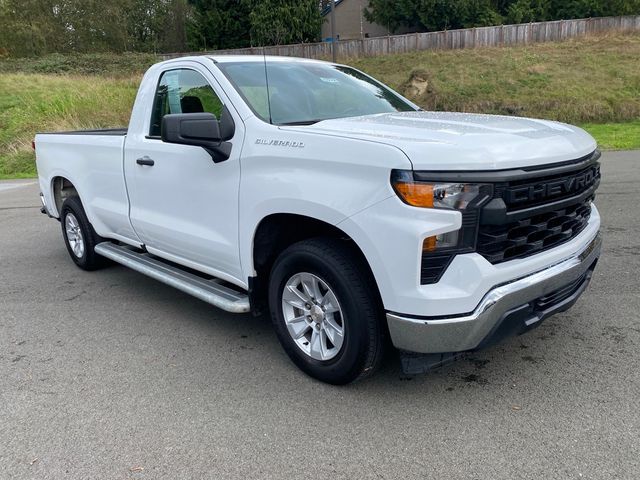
{"x": 316, "y": 313}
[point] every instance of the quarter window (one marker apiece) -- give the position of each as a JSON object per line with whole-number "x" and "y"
{"x": 182, "y": 91}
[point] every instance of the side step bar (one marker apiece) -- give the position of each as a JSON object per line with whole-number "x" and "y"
{"x": 209, "y": 291}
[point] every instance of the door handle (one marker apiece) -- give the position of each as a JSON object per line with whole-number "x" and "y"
{"x": 145, "y": 161}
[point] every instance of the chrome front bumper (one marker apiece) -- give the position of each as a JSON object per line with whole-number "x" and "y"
{"x": 506, "y": 309}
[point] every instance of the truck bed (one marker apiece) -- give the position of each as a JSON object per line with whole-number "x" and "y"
{"x": 91, "y": 160}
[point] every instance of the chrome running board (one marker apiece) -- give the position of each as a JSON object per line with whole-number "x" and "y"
{"x": 209, "y": 291}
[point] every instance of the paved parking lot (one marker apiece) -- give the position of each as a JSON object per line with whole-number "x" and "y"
{"x": 113, "y": 375}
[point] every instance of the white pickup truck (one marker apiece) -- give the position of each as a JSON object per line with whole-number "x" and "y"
{"x": 311, "y": 190}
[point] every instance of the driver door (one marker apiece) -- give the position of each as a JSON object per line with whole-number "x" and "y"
{"x": 184, "y": 207}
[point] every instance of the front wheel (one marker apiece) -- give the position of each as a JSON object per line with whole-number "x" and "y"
{"x": 326, "y": 310}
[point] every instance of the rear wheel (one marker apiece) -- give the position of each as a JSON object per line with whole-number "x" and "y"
{"x": 326, "y": 310}
{"x": 79, "y": 236}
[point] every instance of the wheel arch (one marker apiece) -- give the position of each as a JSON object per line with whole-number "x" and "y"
{"x": 277, "y": 231}
{"x": 61, "y": 188}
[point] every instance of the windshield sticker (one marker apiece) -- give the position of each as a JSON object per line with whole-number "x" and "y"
{"x": 173, "y": 91}
{"x": 330, "y": 80}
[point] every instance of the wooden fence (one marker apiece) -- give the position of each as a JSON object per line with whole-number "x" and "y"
{"x": 521, "y": 34}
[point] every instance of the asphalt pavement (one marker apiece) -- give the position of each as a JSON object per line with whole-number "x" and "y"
{"x": 111, "y": 375}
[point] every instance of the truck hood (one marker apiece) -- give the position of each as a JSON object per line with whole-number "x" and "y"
{"x": 460, "y": 141}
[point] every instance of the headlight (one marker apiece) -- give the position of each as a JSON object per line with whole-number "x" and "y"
{"x": 466, "y": 198}
{"x": 454, "y": 196}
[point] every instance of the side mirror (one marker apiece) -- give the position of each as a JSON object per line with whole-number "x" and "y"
{"x": 201, "y": 130}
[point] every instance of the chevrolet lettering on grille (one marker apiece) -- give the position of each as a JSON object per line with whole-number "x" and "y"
{"x": 553, "y": 188}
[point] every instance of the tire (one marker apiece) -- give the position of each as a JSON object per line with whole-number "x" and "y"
{"x": 326, "y": 266}
{"x": 79, "y": 236}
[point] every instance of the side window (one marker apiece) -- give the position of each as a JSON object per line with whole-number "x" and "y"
{"x": 182, "y": 91}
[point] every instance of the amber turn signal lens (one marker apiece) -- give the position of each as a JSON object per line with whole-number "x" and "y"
{"x": 416, "y": 194}
{"x": 429, "y": 244}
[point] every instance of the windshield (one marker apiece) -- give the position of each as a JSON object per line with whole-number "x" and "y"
{"x": 302, "y": 93}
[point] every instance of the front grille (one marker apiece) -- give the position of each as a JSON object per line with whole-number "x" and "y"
{"x": 499, "y": 243}
{"x": 539, "y": 191}
{"x": 525, "y": 211}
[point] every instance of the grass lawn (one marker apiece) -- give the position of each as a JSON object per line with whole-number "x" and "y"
{"x": 33, "y": 102}
{"x": 593, "y": 82}
{"x": 587, "y": 80}
{"x": 616, "y": 136}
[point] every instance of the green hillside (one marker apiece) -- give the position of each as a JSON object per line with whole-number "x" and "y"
{"x": 593, "y": 82}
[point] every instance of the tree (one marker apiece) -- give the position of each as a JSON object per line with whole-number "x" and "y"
{"x": 280, "y": 22}
{"x": 430, "y": 15}
{"x": 434, "y": 14}
{"x": 219, "y": 24}
{"x": 36, "y": 27}
{"x": 29, "y": 27}
{"x": 522, "y": 11}
{"x": 394, "y": 14}
{"x": 172, "y": 34}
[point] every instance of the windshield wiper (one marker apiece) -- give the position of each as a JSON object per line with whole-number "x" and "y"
{"x": 302, "y": 122}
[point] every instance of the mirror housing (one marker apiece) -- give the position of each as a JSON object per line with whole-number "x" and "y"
{"x": 200, "y": 130}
